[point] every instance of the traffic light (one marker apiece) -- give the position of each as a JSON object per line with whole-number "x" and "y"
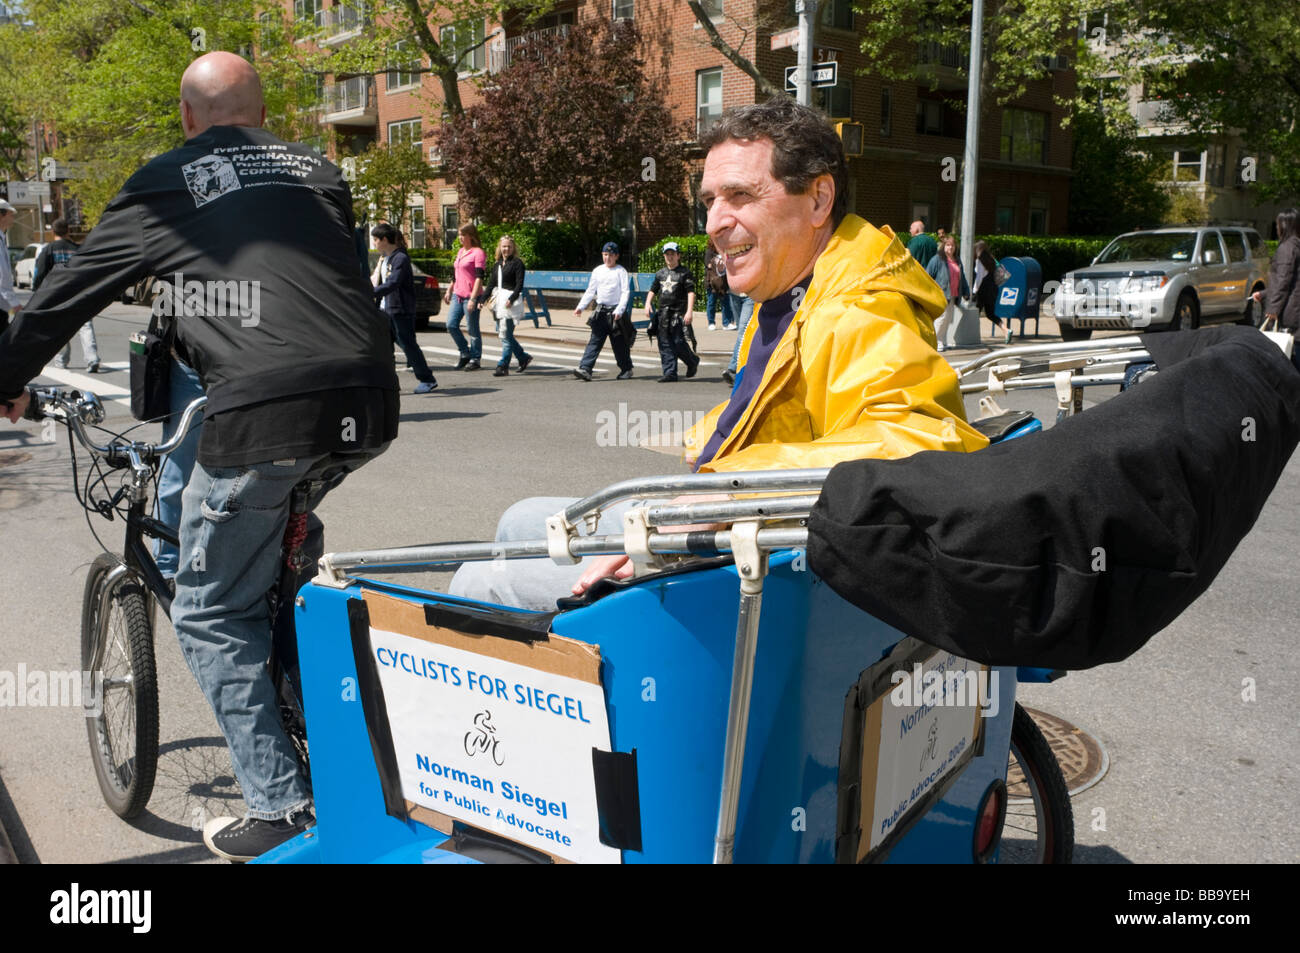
{"x": 850, "y": 134}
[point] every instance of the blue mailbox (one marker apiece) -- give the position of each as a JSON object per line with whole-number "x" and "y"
{"x": 1018, "y": 296}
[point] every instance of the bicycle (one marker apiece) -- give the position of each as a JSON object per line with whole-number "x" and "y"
{"x": 122, "y": 592}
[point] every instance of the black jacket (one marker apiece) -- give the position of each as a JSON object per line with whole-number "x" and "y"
{"x": 512, "y": 278}
{"x": 1074, "y": 546}
{"x": 1283, "y": 295}
{"x": 396, "y": 293}
{"x": 259, "y": 233}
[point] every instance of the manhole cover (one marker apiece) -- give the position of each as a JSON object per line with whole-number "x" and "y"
{"x": 11, "y": 458}
{"x": 1082, "y": 758}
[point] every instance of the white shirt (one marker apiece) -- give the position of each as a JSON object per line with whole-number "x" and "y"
{"x": 611, "y": 287}
{"x": 8, "y": 297}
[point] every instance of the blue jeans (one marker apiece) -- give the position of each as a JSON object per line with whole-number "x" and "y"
{"x": 177, "y": 466}
{"x": 531, "y": 583}
{"x": 603, "y": 325}
{"x": 719, "y": 300}
{"x": 231, "y": 530}
{"x": 746, "y": 312}
{"x": 473, "y": 348}
{"x": 509, "y": 346}
{"x": 403, "y": 328}
{"x": 89, "y": 346}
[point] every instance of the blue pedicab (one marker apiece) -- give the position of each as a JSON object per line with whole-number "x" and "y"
{"x": 786, "y": 726}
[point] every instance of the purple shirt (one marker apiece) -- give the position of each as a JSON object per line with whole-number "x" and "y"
{"x": 773, "y": 318}
{"x": 470, "y": 263}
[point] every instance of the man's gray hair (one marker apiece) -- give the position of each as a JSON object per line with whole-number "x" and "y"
{"x": 804, "y": 145}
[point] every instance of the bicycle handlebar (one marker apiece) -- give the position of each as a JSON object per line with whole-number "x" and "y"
{"x": 77, "y": 410}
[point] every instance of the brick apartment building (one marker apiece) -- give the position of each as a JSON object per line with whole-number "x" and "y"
{"x": 912, "y": 137}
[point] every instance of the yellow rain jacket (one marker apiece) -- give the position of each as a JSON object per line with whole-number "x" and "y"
{"x": 856, "y": 373}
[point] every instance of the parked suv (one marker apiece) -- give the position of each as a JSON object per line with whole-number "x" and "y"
{"x": 1165, "y": 279}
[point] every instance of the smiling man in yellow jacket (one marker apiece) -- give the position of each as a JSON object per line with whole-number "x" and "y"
{"x": 839, "y": 361}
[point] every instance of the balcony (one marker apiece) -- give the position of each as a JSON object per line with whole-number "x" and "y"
{"x": 1155, "y": 115}
{"x": 342, "y": 22}
{"x": 943, "y": 63}
{"x": 501, "y": 50}
{"x": 350, "y": 103}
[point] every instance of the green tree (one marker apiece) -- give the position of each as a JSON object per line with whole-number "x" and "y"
{"x": 412, "y": 32}
{"x": 1116, "y": 186}
{"x": 105, "y": 74}
{"x": 386, "y": 176}
{"x": 571, "y": 129}
{"x": 1233, "y": 66}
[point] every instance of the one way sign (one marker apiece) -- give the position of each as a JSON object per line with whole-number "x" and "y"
{"x": 823, "y": 74}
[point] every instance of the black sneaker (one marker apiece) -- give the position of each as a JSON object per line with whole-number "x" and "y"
{"x": 460, "y": 365}
{"x": 729, "y": 376}
{"x": 626, "y": 375}
{"x": 523, "y": 365}
{"x": 92, "y": 368}
{"x": 669, "y": 379}
{"x": 582, "y": 374}
{"x": 473, "y": 365}
{"x": 243, "y": 840}
{"x": 501, "y": 371}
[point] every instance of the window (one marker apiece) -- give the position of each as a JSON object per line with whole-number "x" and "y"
{"x": 450, "y": 225}
{"x": 1004, "y": 217}
{"x": 1024, "y": 136}
{"x": 836, "y": 100}
{"x": 463, "y": 36}
{"x": 712, "y": 7}
{"x": 419, "y": 237}
{"x": 404, "y": 133}
{"x": 837, "y": 14}
{"x": 708, "y": 99}
{"x": 1236, "y": 243}
{"x": 311, "y": 90}
{"x": 1038, "y": 205}
{"x": 404, "y": 72}
{"x": 306, "y": 10}
{"x": 1187, "y": 165}
{"x": 886, "y": 110}
{"x": 929, "y": 117}
{"x": 622, "y": 9}
{"x": 623, "y": 219}
{"x": 1215, "y": 161}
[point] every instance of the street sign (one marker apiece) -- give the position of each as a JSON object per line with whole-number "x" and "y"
{"x": 788, "y": 38}
{"x": 53, "y": 170}
{"x": 28, "y": 193}
{"x": 823, "y": 74}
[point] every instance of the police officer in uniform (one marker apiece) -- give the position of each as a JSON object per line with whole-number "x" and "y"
{"x": 675, "y": 289}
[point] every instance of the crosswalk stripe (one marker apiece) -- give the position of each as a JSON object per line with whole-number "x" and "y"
{"x": 568, "y": 357}
{"x": 97, "y": 384}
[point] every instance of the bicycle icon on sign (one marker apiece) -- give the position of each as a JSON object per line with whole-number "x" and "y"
{"x": 482, "y": 738}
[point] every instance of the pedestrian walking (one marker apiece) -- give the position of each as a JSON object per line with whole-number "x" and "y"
{"x": 719, "y": 297}
{"x": 9, "y": 302}
{"x": 1282, "y": 299}
{"x": 52, "y": 255}
{"x": 395, "y": 290}
{"x": 922, "y": 247}
{"x": 946, "y": 271}
{"x": 506, "y": 292}
{"x": 674, "y": 288}
{"x": 468, "y": 272}
{"x": 986, "y": 287}
{"x": 611, "y": 290}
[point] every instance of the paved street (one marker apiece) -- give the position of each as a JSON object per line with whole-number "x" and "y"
{"x": 1197, "y": 773}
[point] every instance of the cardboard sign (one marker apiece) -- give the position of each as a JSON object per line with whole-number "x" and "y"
{"x": 492, "y": 731}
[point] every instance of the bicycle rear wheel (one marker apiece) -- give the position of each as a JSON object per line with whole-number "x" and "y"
{"x": 1039, "y": 825}
{"x": 117, "y": 648}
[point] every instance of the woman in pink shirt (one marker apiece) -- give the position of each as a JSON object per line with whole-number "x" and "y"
{"x": 467, "y": 282}
{"x": 945, "y": 269}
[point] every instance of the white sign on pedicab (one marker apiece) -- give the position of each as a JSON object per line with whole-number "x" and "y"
{"x": 502, "y": 746}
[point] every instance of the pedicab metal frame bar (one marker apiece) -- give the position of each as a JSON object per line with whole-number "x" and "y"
{"x": 646, "y": 543}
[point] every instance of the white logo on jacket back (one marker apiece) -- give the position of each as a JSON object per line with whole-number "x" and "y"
{"x": 210, "y": 178}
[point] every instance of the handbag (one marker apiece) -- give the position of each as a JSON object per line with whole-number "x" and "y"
{"x": 1283, "y": 339}
{"x": 623, "y": 324}
{"x": 151, "y": 370}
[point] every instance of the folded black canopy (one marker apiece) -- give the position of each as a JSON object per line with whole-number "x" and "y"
{"x": 1072, "y": 547}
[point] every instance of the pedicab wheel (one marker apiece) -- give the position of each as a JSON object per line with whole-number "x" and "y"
{"x": 122, "y": 722}
{"x": 1039, "y": 825}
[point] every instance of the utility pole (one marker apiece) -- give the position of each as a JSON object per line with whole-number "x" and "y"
{"x": 807, "y": 11}
{"x": 970, "y": 163}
